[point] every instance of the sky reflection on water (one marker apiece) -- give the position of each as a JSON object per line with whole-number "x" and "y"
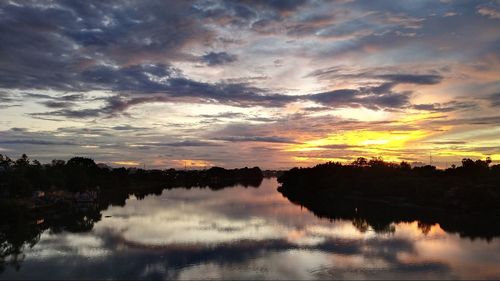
{"x": 249, "y": 233}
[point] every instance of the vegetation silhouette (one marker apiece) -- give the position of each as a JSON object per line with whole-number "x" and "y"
{"x": 22, "y": 177}
{"x": 24, "y": 216}
{"x": 374, "y": 193}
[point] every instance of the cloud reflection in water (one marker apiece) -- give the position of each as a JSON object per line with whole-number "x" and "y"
{"x": 249, "y": 233}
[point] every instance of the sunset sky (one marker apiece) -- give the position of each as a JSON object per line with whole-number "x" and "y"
{"x": 275, "y": 84}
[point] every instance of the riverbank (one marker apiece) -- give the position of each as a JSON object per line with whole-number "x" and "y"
{"x": 473, "y": 187}
{"x": 380, "y": 213}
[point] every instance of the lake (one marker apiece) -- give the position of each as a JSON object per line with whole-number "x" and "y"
{"x": 246, "y": 233}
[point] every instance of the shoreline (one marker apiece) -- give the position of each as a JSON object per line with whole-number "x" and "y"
{"x": 380, "y": 213}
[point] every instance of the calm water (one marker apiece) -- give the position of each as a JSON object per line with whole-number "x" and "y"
{"x": 248, "y": 233}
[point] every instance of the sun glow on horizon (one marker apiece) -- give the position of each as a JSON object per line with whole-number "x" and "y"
{"x": 126, "y": 163}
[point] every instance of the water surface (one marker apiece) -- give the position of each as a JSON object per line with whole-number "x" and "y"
{"x": 247, "y": 233}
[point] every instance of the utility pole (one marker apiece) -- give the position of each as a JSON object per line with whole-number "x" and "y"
{"x": 430, "y": 158}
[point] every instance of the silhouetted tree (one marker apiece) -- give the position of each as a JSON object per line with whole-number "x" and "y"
{"x": 472, "y": 186}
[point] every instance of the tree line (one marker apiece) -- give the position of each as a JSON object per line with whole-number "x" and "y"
{"x": 475, "y": 185}
{"x": 23, "y": 176}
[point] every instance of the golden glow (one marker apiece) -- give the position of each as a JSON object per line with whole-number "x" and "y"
{"x": 126, "y": 163}
{"x": 321, "y": 159}
{"x": 392, "y": 145}
{"x": 419, "y": 116}
{"x": 362, "y": 139}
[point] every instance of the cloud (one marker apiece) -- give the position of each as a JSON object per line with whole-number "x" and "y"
{"x": 281, "y": 5}
{"x": 355, "y": 98}
{"x": 5, "y": 97}
{"x": 36, "y": 142}
{"x": 450, "y": 14}
{"x": 53, "y": 43}
{"x": 184, "y": 143}
{"x": 57, "y": 104}
{"x": 77, "y": 113}
{"x": 338, "y": 146}
{"x": 244, "y": 13}
{"x": 228, "y": 114}
{"x": 484, "y": 120}
{"x": 128, "y": 128}
{"x": 446, "y": 107}
{"x": 417, "y": 79}
{"x": 272, "y": 139}
{"x": 219, "y": 58}
{"x": 112, "y": 49}
{"x": 162, "y": 83}
{"x": 152, "y": 83}
{"x": 489, "y": 12}
{"x": 92, "y": 63}
{"x": 377, "y": 73}
{"x": 449, "y": 142}
{"x": 494, "y": 99}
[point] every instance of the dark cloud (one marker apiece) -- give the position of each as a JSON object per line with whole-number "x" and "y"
{"x": 5, "y": 97}
{"x": 54, "y": 101}
{"x": 169, "y": 82}
{"x": 127, "y": 49}
{"x": 446, "y": 107}
{"x": 273, "y": 139}
{"x": 38, "y": 96}
{"x": 393, "y": 79}
{"x": 376, "y": 97}
{"x": 8, "y": 100}
{"x": 229, "y": 114}
{"x": 245, "y": 13}
{"x": 16, "y": 129}
{"x": 36, "y": 142}
{"x": 184, "y": 143}
{"x": 140, "y": 84}
{"x": 425, "y": 79}
{"x": 237, "y": 115}
{"x": 219, "y": 58}
{"x": 355, "y": 98}
{"x": 77, "y": 113}
{"x": 494, "y": 99}
{"x": 485, "y": 120}
{"x": 79, "y": 131}
{"x": 57, "y": 104}
{"x": 281, "y": 5}
{"x": 50, "y": 44}
{"x": 128, "y": 128}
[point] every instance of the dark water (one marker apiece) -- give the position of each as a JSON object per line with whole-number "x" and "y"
{"x": 248, "y": 233}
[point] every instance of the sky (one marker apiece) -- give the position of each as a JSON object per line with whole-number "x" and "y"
{"x": 275, "y": 84}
